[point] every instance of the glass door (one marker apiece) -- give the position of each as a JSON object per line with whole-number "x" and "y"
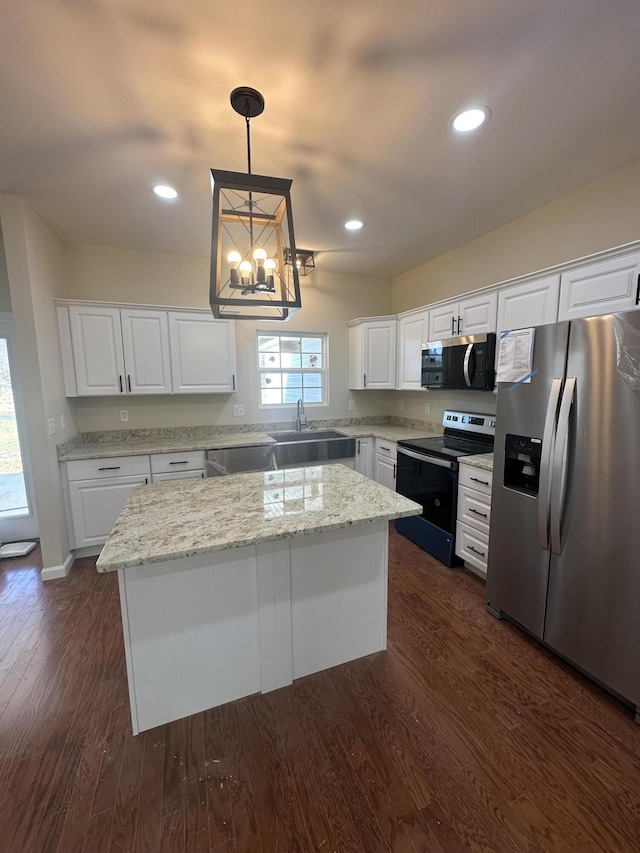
{"x": 17, "y": 512}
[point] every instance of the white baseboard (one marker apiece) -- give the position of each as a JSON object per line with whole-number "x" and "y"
{"x": 54, "y": 572}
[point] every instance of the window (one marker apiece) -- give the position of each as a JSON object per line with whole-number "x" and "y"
{"x": 292, "y": 367}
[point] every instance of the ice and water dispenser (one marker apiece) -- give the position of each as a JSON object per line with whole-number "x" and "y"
{"x": 522, "y": 464}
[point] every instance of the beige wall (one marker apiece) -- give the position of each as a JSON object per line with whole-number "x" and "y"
{"x": 328, "y": 301}
{"x": 596, "y": 217}
{"x": 34, "y": 256}
{"x": 5, "y": 295}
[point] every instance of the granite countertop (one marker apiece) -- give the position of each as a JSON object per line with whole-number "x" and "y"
{"x": 480, "y": 460}
{"x": 140, "y": 447}
{"x": 136, "y": 446}
{"x": 168, "y": 521}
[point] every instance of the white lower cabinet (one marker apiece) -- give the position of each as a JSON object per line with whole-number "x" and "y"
{"x": 474, "y": 517}
{"x": 364, "y": 456}
{"x": 178, "y": 465}
{"x": 386, "y": 463}
{"x": 98, "y": 489}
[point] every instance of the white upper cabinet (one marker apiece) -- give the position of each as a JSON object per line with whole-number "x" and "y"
{"x": 372, "y": 353}
{"x": 96, "y": 347}
{"x": 473, "y": 315}
{"x": 145, "y": 339}
{"x": 533, "y": 303}
{"x": 116, "y": 350}
{"x": 601, "y": 288}
{"x": 413, "y": 333}
{"x": 203, "y": 354}
{"x": 119, "y": 351}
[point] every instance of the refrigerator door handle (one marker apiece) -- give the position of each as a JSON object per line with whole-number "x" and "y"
{"x": 548, "y": 442}
{"x": 559, "y": 468}
{"x": 467, "y": 359}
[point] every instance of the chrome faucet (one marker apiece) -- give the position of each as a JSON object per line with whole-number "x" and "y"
{"x": 299, "y": 413}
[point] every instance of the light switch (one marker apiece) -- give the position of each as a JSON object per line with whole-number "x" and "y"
{"x": 51, "y": 423}
{"x": 352, "y": 406}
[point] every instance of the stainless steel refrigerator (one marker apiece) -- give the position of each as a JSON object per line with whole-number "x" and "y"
{"x": 564, "y": 544}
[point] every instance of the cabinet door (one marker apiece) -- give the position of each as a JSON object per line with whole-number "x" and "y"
{"x": 604, "y": 288}
{"x": 145, "y": 338}
{"x": 386, "y": 471}
{"x": 203, "y": 354}
{"x": 413, "y": 333}
{"x": 534, "y": 303}
{"x": 96, "y": 505}
{"x": 96, "y": 341}
{"x": 443, "y": 321}
{"x": 380, "y": 354}
{"x": 478, "y": 314}
{"x": 356, "y": 364}
{"x": 364, "y": 456}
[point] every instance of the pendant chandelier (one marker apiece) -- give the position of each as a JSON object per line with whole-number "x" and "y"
{"x": 252, "y": 237}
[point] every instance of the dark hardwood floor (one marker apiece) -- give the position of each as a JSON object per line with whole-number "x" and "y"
{"x": 464, "y": 735}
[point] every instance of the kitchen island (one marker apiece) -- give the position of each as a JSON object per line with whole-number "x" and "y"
{"x": 236, "y": 585}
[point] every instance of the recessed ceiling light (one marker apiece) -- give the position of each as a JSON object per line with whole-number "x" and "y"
{"x": 353, "y": 225}
{"x": 470, "y": 119}
{"x": 166, "y": 192}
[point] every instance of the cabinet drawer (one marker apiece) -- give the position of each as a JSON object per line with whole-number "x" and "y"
{"x": 474, "y": 508}
{"x": 109, "y": 466}
{"x": 473, "y": 547}
{"x": 386, "y": 448}
{"x": 178, "y": 475}
{"x": 475, "y": 478}
{"x": 170, "y": 463}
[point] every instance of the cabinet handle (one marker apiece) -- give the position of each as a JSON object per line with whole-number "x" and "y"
{"x": 365, "y": 380}
{"x": 120, "y": 381}
{"x": 233, "y": 381}
{"x": 394, "y": 470}
{"x": 476, "y": 480}
{"x": 382, "y": 447}
{"x": 475, "y": 551}
{"x": 453, "y": 325}
{"x": 146, "y": 481}
{"x": 638, "y": 292}
{"x": 129, "y": 382}
{"x": 459, "y": 324}
{"x": 358, "y": 445}
{"x": 475, "y": 512}
{"x": 186, "y": 462}
{"x": 110, "y": 468}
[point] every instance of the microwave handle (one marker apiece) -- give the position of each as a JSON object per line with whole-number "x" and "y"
{"x": 467, "y": 359}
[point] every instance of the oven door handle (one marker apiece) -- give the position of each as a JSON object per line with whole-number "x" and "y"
{"x": 428, "y": 460}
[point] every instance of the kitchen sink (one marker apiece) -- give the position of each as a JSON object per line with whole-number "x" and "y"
{"x": 315, "y": 435}
{"x": 308, "y": 448}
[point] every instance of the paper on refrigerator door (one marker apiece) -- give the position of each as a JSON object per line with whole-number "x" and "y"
{"x": 515, "y": 358}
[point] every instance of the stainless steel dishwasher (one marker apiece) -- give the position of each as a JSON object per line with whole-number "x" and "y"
{"x": 238, "y": 460}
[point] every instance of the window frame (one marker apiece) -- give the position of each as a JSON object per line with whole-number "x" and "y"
{"x": 322, "y": 371}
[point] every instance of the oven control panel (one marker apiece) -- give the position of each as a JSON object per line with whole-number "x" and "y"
{"x": 470, "y": 422}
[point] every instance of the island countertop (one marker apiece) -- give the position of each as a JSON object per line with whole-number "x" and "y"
{"x": 168, "y": 521}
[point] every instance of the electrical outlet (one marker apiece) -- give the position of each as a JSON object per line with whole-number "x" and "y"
{"x": 124, "y": 415}
{"x": 427, "y": 408}
{"x": 63, "y": 423}
{"x": 51, "y": 423}
{"x": 238, "y": 411}
{"x": 352, "y": 406}
{"x": 402, "y": 405}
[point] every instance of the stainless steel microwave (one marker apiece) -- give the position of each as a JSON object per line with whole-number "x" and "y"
{"x": 466, "y": 363}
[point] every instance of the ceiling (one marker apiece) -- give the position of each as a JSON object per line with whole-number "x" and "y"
{"x": 101, "y": 99}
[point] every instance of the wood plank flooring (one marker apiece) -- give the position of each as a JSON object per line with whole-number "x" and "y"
{"x": 464, "y": 735}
